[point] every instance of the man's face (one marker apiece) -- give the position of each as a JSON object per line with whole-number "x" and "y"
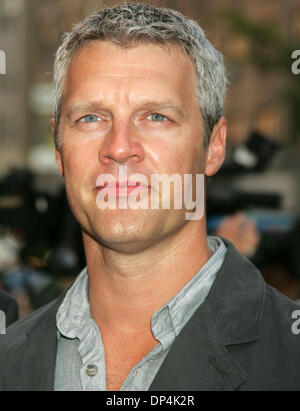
{"x": 133, "y": 107}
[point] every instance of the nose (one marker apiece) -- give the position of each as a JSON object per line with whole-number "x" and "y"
{"x": 121, "y": 146}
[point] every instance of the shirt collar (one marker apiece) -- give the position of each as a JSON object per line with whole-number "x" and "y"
{"x": 74, "y": 312}
{"x": 182, "y": 306}
{"x": 74, "y": 318}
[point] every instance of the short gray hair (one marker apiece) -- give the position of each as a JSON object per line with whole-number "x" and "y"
{"x": 131, "y": 23}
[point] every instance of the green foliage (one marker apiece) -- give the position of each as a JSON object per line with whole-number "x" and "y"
{"x": 270, "y": 51}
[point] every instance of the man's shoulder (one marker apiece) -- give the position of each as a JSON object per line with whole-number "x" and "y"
{"x": 277, "y": 352}
{"x": 259, "y": 326}
{"x": 254, "y": 307}
{"x": 19, "y": 331}
{"x": 280, "y": 309}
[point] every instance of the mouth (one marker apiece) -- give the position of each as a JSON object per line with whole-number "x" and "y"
{"x": 122, "y": 188}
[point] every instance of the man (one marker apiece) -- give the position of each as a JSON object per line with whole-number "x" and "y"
{"x": 160, "y": 306}
{"x": 8, "y": 307}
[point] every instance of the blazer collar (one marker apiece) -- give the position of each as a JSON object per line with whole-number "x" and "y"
{"x": 231, "y": 314}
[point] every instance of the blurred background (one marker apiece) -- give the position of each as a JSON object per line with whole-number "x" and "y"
{"x": 253, "y": 200}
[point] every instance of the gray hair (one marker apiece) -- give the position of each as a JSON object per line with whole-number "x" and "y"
{"x": 130, "y": 23}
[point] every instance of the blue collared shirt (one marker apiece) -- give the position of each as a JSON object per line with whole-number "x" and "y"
{"x": 80, "y": 362}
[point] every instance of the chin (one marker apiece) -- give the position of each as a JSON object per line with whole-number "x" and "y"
{"x": 128, "y": 243}
{"x": 133, "y": 231}
{"x": 124, "y": 232}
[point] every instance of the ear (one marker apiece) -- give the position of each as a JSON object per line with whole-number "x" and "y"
{"x": 59, "y": 161}
{"x": 216, "y": 150}
{"x": 52, "y": 123}
{"x": 58, "y": 154}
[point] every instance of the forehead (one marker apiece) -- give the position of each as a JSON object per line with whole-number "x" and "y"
{"x": 110, "y": 65}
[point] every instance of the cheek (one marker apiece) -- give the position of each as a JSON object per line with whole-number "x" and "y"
{"x": 78, "y": 166}
{"x": 198, "y": 156}
{"x": 171, "y": 155}
{"x": 78, "y": 159}
{"x": 190, "y": 160}
{"x": 190, "y": 154}
{"x": 198, "y": 165}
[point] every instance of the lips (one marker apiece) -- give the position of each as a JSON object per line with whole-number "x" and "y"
{"x": 120, "y": 184}
{"x": 122, "y": 188}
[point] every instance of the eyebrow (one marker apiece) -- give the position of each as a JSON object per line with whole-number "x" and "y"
{"x": 80, "y": 107}
{"x": 93, "y": 106}
{"x": 164, "y": 105}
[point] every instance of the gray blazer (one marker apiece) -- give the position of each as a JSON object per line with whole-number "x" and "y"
{"x": 240, "y": 338}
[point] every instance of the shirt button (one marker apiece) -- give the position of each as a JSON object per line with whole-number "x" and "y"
{"x": 91, "y": 370}
{"x": 136, "y": 373}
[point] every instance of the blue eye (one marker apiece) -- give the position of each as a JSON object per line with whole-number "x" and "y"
{"x": 89, "y": 119}
{"x": 157, "y": 117}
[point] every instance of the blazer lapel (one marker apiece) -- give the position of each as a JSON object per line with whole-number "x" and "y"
{"x": 198, "y": 361}
{"x": 231, "y": 314}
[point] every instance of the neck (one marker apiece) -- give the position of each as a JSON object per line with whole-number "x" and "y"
{"x": 124, "y": 285}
